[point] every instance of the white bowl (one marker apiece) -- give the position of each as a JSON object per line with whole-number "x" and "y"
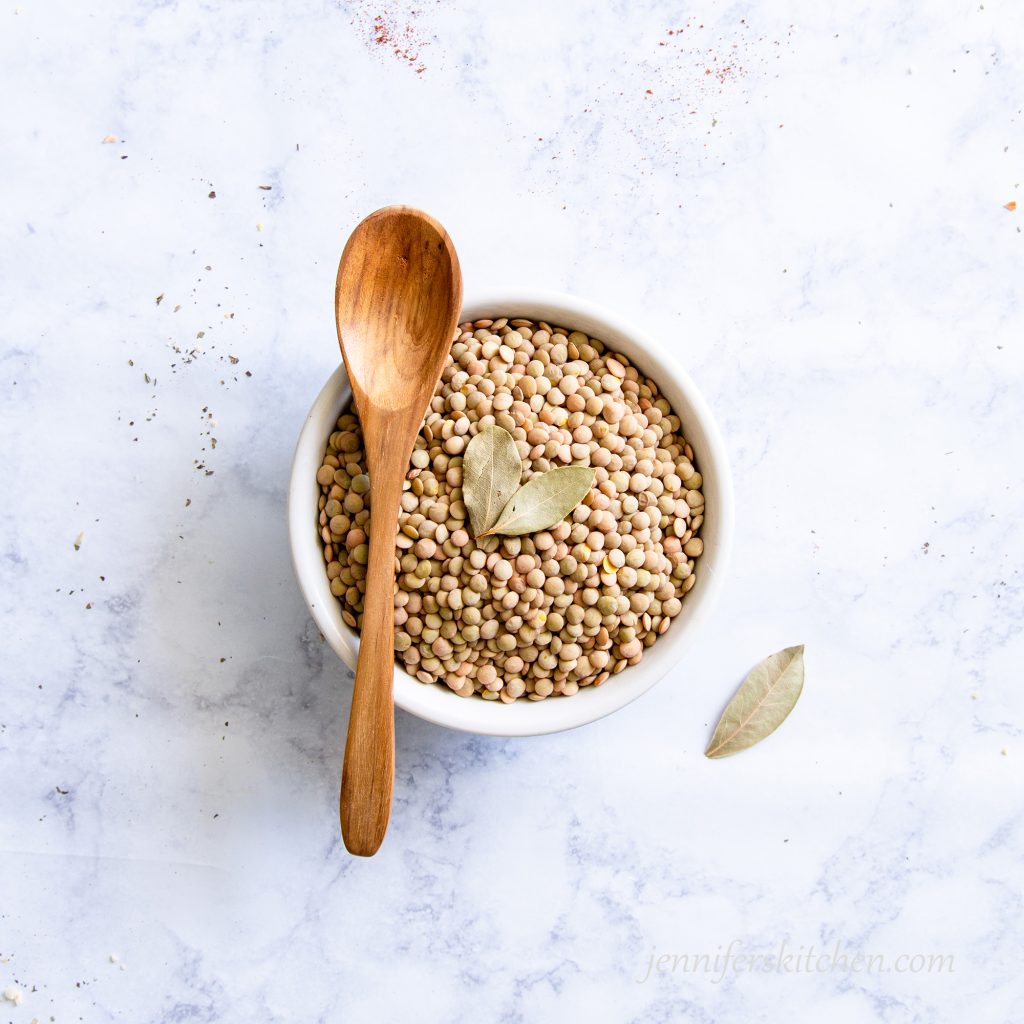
{"x": 437, "y": 703}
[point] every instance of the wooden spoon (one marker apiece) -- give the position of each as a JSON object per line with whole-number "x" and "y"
{"x": 397, "y": 302}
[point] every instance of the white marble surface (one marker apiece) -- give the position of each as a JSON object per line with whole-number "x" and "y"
{"x": 816, "y": 229}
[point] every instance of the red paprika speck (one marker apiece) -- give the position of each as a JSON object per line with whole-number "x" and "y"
{"x": 387, "y": 31}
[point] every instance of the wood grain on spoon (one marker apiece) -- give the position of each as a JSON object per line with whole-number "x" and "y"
{"x": 397, "y": 301}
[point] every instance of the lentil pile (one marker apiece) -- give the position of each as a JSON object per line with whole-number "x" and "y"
{"x": 546, "y": 613}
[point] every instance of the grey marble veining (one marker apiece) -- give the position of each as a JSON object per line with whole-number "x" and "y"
{"x": 807, "y": 208}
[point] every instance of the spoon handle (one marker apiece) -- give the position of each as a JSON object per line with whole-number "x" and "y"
{"x": 368, "y": 775}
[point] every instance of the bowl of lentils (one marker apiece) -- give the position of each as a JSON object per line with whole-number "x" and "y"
{"x": 568, "y": 595}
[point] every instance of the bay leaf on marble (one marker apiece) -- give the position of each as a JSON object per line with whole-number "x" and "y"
{"x": 761, "y": 704}
{"x": 491, "y": 471}
{"x": 544, "y": 500}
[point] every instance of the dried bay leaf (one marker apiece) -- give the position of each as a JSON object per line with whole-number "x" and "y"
{"x": 761, "y": 704}
{"x": 491, "y": 471}
{"x": 544, "y": 500}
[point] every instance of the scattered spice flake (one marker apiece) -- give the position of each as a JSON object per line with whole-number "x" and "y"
{"x": 1011, "y": 205}
{"x": 212, "y": 195}
{"x": 233, "y": 359}
{"x": 703, "y": 72}
{"x": 78, "y": 540}
{"x": 108, "y": 140}
{"x": 160, "y": 298}
{"x": 266, "y": 188}
{"x": 393, "y": 31}
{"x": 188, "y": 501}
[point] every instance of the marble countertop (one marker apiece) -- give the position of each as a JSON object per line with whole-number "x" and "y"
{"x": 808, "y": 209}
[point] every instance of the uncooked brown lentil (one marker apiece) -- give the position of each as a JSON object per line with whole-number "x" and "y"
{"x": 545, "y": 614}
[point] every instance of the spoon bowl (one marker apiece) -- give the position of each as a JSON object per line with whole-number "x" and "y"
{"x": 397, "y": 302}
